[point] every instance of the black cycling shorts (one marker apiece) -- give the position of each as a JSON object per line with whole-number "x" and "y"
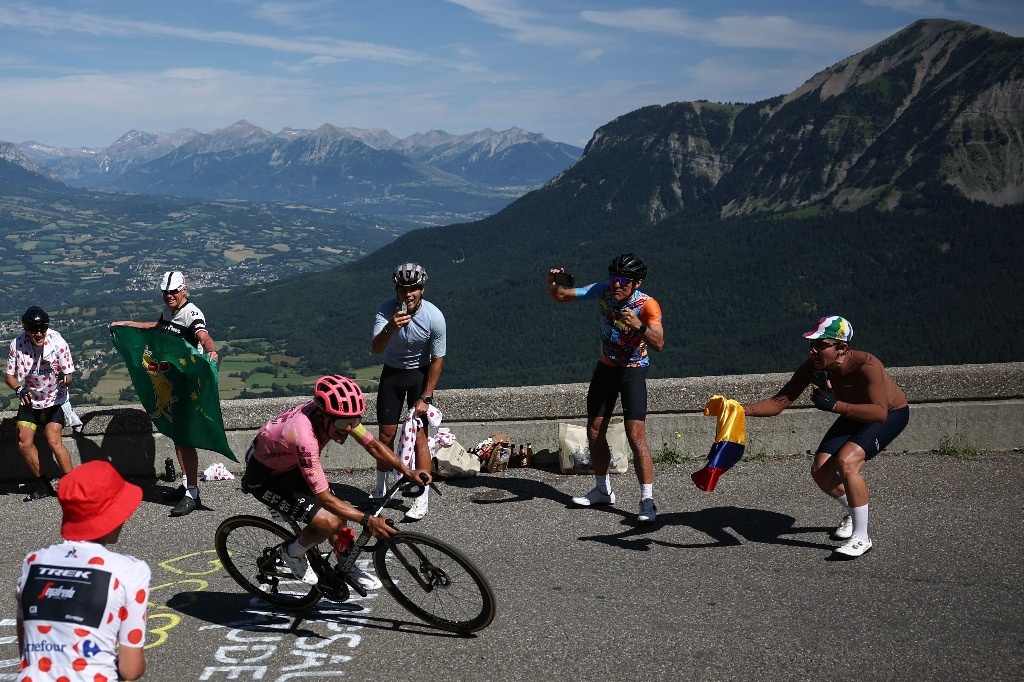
{"x": 609, "y": 382}
{"x": 399, "y": 390}
{"x": 33, "y": 417}
{"x": 288, "y": 493}
{"x": 871, "y": 436}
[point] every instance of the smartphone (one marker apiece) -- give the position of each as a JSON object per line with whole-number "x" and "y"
{"x": 820, "y": 379}
{"x": 403, "y": 308}
{"x": 564, "y": 279}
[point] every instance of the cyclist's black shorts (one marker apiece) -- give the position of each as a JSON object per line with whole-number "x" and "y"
{"x": 33, "y": 418}
{"x": 399, "y": 390}
{"x": 609, "y": 382}
{"x": 288, "y": 493}
{"x": 871, "y": 436}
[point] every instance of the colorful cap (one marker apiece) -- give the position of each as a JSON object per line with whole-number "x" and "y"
{"x": 832, "y": 327}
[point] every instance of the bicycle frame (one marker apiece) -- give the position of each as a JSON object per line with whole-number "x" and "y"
{"x": 334, "y": 581}
{"x": 426, "y": 576}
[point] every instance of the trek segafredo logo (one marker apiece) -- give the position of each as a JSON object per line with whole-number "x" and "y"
{"x": 51, "y": 590}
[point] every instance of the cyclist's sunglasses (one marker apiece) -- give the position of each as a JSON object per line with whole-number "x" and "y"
{"x": 818, "y": 345}
{"x": 619, "y": 280}
{"x": 342, "y": 424}
{"x": 36, "y": 328}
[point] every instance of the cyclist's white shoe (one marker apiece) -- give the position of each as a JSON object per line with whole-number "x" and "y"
{"x": 845, "y": 529}
{"x": 854, "y": 547}
{"x": 418, "y": 509}
{"x": 367, "y": 581}
{"x": 595, "y": 497}
{"x": 299, "y": 566}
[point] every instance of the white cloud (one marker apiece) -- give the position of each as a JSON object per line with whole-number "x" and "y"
{"x": 524, "y": 26}
{"x": 49, "y": 21}
{"x": 739, "y": 31}
{"x": 925, "y": 7}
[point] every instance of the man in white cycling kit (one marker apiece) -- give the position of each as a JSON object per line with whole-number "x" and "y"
{"x": 283, "y": 470}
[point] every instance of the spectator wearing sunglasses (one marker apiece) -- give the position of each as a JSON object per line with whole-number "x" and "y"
{"x": 872, "y": 411}
{"x": 630, "y": 327}
{"x": 181, "y": 317}
{"x": 39, "y": 368}
{"x": 411, "y": 334}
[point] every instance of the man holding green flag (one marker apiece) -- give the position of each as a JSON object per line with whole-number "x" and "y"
{"x": 176, "y": 382}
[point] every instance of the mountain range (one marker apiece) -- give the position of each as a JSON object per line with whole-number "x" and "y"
{"x": 888, "y": 188}
{"x": 432, "y": 177}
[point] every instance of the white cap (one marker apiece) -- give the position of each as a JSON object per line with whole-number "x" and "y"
{"x": 172, "y": 281}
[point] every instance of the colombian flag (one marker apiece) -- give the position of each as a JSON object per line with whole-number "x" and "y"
{"x": 730, "y": 441}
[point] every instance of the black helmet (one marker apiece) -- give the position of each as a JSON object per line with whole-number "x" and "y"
{"x": 410, "y": 275}
{"x": 35, "y": 317}
{"x": 628, "y": 265}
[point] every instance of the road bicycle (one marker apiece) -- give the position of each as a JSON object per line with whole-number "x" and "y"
{"x": 428, "y": 577}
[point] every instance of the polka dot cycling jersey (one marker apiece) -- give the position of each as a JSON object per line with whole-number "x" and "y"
{"x": 40, "y": 367}
{"x": 77, "y": 601}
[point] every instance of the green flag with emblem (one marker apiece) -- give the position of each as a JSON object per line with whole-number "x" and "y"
{"x": 177, "y": 385}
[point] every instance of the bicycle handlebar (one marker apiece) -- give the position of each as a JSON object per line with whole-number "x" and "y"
{"x": 417, "y": 487}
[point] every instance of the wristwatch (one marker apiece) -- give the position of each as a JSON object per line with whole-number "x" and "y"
{"x": 428, "y": 399}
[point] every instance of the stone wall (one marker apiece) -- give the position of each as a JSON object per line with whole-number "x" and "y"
{"x": 983, "y": 404}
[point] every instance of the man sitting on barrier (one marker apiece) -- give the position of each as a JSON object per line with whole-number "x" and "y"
{"x": 283, "y": 470}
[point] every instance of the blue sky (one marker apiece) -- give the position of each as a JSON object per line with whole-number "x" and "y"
{"x": 84, "y": 72}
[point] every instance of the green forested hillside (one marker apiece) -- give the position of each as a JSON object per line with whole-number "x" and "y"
{"x": 932, "y": 284}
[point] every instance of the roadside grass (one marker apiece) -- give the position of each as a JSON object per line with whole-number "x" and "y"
{"x": 956, "y": 445}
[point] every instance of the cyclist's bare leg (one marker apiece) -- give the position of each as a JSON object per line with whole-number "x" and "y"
{"x": 422, "y": 451}
{"x": 27, "y": 448}
{"x": 841, "y": 474}
{"x": 636, "y": 434}
{"x": 826, "y": 475}
{"x": 597, "y": 438}
{"x": 323, "y": 526}
{"x": 188, "y": 458}
{"x": 386, "y": 434}
{"x": 56, "y": 443}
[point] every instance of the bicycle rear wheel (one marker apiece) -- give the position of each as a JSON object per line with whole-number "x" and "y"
{"x": 434, "y": 582}
{"x": 246, "y": 547}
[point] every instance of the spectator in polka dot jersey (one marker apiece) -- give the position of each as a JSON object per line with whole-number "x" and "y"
{"x": 81, "y": 611}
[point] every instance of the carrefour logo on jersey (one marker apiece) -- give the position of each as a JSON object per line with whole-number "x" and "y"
{"x": 43, "y": 647}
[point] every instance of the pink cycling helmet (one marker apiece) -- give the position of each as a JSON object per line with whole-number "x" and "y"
{"x": 339, "y": 396}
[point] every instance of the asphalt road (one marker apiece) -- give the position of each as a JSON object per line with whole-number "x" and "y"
{"x": 737, "y": 584}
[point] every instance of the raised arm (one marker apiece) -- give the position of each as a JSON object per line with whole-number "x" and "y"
{"x": 557, "y": 292}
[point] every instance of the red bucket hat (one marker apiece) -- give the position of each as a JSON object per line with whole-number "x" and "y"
{"x": 95, "y": 500}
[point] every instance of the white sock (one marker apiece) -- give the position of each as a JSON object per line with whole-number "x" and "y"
{"x": 604, "y": 484}
{"x": 296, "y": 550}
{"x": 843, "y": 502}
{"x": 646, "y": 491}
{"x": 382, "y": 483}
{"x": 860, "y": 521}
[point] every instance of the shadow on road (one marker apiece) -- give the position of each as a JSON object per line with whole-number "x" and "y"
{"x": 240, "y": 611}
{"x": 725, "y": 525}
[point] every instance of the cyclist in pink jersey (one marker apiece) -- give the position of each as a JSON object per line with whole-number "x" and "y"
{"x": 283, "y": 470}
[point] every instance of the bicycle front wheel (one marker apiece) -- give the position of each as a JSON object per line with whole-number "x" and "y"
{"x": 246, "y": 548}
{"x": 434, "y": 582}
